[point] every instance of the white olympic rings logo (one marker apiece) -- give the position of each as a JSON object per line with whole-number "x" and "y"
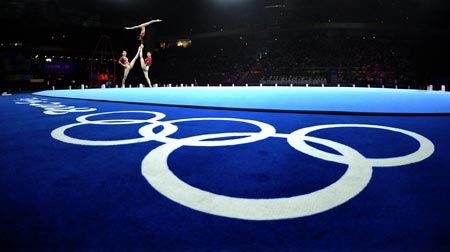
{"x": 157, "y": 172}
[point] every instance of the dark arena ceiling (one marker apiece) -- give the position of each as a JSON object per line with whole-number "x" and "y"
{"x": 184, "y": 16}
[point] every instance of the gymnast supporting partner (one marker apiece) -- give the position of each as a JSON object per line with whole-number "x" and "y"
{"x": 146, "y": 64}
{"x": 123, "y": 60}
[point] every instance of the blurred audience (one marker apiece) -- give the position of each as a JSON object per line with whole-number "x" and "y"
{"x": 285, "y": 58}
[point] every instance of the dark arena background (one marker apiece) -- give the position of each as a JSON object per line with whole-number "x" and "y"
{"x": 269, "y": 125}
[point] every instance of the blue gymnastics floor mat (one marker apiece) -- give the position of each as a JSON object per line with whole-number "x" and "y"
{"x": 295, "y": 99}
{"x": 85, "y": 175}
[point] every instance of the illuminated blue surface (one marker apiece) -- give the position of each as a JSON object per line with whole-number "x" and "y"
{"x": 312, "y": 99}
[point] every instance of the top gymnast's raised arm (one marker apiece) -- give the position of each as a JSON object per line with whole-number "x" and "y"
{"x": 144, "y": 24}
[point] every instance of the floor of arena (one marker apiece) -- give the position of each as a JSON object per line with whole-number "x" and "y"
{"x": 225, "y": 169}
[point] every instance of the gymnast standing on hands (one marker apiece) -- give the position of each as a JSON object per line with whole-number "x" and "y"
{"x": 142, "y": 26}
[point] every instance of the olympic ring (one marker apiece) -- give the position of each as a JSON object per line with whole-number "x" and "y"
{"x": 84, "y": 119}
{"x": 60, "y": 134}
{"x": 425, "y": 150}
{"x": 156, "y": 171}
{"x": 266, "y": 131}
